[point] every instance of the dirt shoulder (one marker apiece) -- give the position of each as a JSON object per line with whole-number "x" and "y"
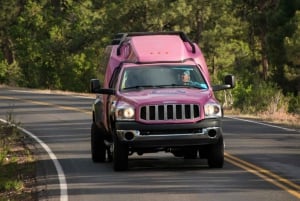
{"x": 17, "y": 165}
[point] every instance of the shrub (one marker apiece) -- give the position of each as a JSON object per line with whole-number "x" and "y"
{"x": 294, "y": 104}
{"x": 10, "y": 74}
{"x": 259, "y": 97}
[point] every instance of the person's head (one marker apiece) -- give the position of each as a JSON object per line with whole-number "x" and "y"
{"x": 185, "y": 76}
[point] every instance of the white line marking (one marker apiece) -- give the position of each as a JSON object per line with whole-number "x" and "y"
{"x": 60, "y": 172}
{"x": 255, "y": 122}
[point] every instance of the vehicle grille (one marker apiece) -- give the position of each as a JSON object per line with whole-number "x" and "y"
{"x": 169, "y": 112}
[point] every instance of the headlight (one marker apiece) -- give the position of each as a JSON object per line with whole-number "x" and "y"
{"x": 212, "y": 110}
{"x": 125, "y": 112}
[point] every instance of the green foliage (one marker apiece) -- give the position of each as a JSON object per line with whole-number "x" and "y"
{"x": 294, "y": 104}
{"x": 292, "y": 43}
{"x": 60, "y": 44}
{"x": 3, "y": 155}
{"x": 10, "y": 73}
{"x": 259, "y": 97}
{"x": 8, "y": 185}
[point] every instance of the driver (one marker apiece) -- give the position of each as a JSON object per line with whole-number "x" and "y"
{"x": 186, "y": 80}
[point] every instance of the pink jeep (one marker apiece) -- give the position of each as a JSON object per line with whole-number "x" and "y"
{"x": 156, "y": 96}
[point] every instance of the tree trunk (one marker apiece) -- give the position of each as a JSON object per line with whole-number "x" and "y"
{"x": 6, "y": 46}
{"x": 264, "y": 57}
{"x": 265, "y": 64}
{"x": 199, "y": 27}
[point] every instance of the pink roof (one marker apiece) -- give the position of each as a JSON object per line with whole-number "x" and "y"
{"x": 154, "y": 48}
{"x": 159, "y": 48}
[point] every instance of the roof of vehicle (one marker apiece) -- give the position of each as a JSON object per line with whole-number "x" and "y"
{"x": 153, "y": 47}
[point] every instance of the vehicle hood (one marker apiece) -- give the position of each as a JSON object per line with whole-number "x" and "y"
{"x": 167, "y": 96}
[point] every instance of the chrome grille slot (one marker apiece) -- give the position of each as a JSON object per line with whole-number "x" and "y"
{"x": 169, "y": 112}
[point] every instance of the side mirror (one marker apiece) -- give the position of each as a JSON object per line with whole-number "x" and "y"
{"x": 95, "y": 87}
{"x": 229, "y": 83}
{"x": 229, "y": 80}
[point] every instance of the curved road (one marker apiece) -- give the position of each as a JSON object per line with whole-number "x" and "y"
{"x": 262, "y": 161}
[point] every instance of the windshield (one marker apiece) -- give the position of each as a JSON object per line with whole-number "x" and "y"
{"x": 162, "y": 76}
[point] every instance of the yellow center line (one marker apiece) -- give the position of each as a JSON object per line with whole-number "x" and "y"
{"x": 266, "y": 175}
{"x": 285, "y": 184}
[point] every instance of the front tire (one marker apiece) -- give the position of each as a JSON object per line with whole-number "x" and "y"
{"x": 216, "y": 154}
{"x": 120, "y": 156}
{"x": 98, "y": 147}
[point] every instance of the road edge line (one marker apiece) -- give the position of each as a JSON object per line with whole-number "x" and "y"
{"x": 60, "y": 173}
{"x": 261, "y": 123}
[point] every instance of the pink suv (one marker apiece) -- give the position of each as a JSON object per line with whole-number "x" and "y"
{"x": 156, "y": 96}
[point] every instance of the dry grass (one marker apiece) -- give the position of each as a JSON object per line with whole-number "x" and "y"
{"x": 279, "y": 117}
{"x": 17, "y": 166}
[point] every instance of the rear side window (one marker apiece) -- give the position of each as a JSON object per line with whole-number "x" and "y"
{"x": 114, "y": 78}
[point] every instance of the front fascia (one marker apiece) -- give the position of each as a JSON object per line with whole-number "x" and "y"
{"x": 166, "y": 100}
{"x": 167, "y": 96}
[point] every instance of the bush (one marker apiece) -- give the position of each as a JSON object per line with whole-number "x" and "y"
{"x": 259, "y": 97}
{"x": 294, "y": 104}
{"x": 10, "y": 74}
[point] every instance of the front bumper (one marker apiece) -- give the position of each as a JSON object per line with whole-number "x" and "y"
{"x": 135, "y": 134}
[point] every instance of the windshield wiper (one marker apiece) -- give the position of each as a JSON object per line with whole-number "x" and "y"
{"x": 140, "y": 87}
{"x": 197, "y": 86}
{"x": 165, "y": 86}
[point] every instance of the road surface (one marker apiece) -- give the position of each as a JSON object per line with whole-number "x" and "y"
{"x": 262, "y": 161}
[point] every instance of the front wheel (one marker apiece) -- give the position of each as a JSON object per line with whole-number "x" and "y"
{"x": 98, "y": 147}
{"x": 120, "y": 155}
{"x": 215, "y": 153}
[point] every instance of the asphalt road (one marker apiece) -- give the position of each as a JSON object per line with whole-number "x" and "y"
{"x": 262, "y": 161}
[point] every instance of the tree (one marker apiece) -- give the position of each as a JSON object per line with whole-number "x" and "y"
{"x": 281, "y": 25}
{"x": 10, "y": 10}
{"x": 292, "y": 46}
{"x": 270, "y": 21}
{"x": 9, "y": 67}
{"x": 52, "y": 41}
